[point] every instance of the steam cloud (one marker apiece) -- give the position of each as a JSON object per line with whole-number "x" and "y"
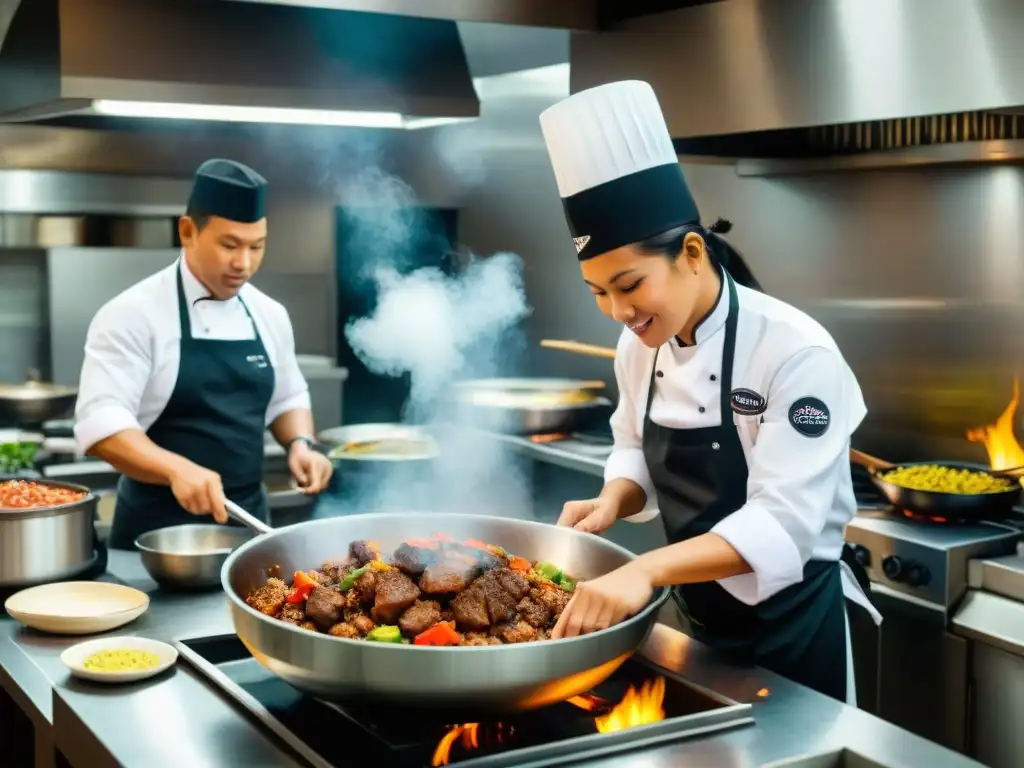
{"x": 439, "y": 328}
{"x": 434, "y": 327}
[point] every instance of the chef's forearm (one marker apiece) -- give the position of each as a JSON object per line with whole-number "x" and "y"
{"x": 707, "y": 557}
{"x": 628, "y": 497}
{"x": 297, "y": 422}
{"x": 132, "y": 453}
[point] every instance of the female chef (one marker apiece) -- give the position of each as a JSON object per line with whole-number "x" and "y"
{"x": 734, "y": 417}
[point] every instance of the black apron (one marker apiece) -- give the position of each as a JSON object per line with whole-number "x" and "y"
{"x": 800, "y": 632}
{"x": 216, "y": 417}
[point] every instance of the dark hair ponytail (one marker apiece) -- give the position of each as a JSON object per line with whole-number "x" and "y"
{"x": 670, "y": 245}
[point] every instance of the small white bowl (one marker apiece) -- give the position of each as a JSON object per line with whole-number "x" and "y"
{"x": 77, "y": 607}
{"x": 75, "y": 656}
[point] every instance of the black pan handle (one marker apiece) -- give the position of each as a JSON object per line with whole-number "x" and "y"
{"x": 869, "y": 462}
{"x": 1014, "y": 473}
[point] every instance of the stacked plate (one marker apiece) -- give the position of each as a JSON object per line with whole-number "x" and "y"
{"x": 77, "y": 607}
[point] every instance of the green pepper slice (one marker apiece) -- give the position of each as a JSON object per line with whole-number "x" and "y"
{"x": 350, "y": 579}
{"x": 385, "y": 633}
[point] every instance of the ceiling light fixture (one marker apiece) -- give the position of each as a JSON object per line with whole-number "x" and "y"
{"x": 277, "y": 115}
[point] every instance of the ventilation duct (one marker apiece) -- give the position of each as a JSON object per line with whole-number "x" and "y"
{"x": 83, "y": 62}
{"x": 745, "y": 68}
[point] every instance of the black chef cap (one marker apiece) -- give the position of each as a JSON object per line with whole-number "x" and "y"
{"x": 230, "y": 190}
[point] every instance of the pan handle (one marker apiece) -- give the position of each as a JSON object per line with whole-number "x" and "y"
{"x": 581, "y": 349}
{"x": 1014, "y": 473}
{"x": 250, "y": 522}
{"x": 869, "y": 462}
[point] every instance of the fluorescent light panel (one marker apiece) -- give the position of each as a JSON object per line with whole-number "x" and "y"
{"x": 285, "y": 116}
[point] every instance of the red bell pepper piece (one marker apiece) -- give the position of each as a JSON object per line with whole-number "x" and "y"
{"x": 477, "y": 544}
{"x": 442, "y": 633}
{"x": 520, "y": 564}
{"x": 302, "y": 585}
{"x": 423, "y": 543}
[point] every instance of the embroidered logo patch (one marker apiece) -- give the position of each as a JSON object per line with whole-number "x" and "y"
{"x": 810, "y": 417}
{"x": 746, "y": 402}
{"x": 581, "y": 242}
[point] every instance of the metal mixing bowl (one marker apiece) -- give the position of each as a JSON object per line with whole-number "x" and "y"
{"x": 189, "y": 556}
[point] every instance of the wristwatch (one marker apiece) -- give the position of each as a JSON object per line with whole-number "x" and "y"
{"x": 309, "y": 441}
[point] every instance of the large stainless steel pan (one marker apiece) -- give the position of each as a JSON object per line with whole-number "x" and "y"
{"x": 35, "y": 401}
{"x": 529, "y": 406}
{"x": 498, "y": 678}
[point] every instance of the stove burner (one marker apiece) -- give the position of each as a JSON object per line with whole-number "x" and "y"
{"x": 929, "y": 519}
{"x": 637, "y": 706}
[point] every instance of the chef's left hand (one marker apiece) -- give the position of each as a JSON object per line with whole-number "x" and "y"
{"x": 605, "y": 601}
{"x": 311, "y": 470}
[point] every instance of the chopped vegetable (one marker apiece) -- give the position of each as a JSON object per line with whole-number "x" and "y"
{"x": 477, "y": 544}
{"x": 566, "y": 583}
{"x": 302, "y": 585}
{"x": 423, "y": 543}
{"x": 442, "y": 633}
{"x": 520, "y": 564}
{"x": 378, "y": 565}
{"x": 385, "y": 633}
{"x": 548, "y": 571}
{"x": 493, "y": 548}
{"x": 350, "y": 579}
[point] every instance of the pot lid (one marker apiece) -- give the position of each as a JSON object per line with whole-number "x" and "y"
{"x": 34, "y": 389}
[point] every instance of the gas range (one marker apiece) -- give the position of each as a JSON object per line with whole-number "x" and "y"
{"x": 620, "y": 715}
{"x": 926, "y": 561}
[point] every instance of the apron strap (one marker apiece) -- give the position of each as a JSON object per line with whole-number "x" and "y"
{"x": 183, "y": 317}
{"x": 728, "y": 347}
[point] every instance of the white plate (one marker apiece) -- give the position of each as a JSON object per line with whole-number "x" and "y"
{"x": 77, "y": 607}
{"x": 75, "y": 656}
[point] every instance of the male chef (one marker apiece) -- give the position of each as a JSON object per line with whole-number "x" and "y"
{"x": 185, "y": 370}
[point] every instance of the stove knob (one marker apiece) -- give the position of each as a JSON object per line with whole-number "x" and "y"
{"x": 892, "y": 567}
{"x": 862, "y": 555}
{"x": 918, "y": 576}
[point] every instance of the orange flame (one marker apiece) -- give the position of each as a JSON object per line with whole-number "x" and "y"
{"x": 551, "y": 437}
{"x": 636, "y": 708}
{"x": 468, "y": 733}
{"x": 763, "y": 692}
{"x": 1004, "y": 452}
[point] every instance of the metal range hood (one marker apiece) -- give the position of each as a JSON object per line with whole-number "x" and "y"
{"x": 763, "y": 78}
{"x": 82, "y": 61}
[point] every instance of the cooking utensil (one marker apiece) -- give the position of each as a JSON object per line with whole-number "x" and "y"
{"x": 38, "y": 545}
{"x": 592, "y": 350}
{"x": 35, "y": 401}
{"x": 499, "y": 678}
{"x": 940, "y": 504}
{"x": 381, "y": 434}
{"x": 189, "y": 556}
{"x": 77, "y": 607}
{"x": 529, "y": 406}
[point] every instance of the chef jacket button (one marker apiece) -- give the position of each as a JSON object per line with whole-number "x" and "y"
{"x": 659, "y": 374}
{"x": 715, "y": 446}
{"x": 713, "y": 377}
{"x": 702, "y": 409}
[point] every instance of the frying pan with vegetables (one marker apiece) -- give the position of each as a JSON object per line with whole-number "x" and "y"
{"x": 947, "y": 490}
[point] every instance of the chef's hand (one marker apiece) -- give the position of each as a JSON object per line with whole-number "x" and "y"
{"x": 199, "y": 491}
{"x": 311, "y": 470}
{"x": 603, "y": 602}
{"x": 592, "y": 515}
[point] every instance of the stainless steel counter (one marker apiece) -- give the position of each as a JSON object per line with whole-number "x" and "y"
{"x": 178, "y": 720}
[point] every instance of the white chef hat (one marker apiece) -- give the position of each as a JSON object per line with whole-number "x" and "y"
{"x": 617, "y": 171}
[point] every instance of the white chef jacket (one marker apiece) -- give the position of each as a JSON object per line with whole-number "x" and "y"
{"x": 132, "y": 351}
{"x": 799, "y": 488}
